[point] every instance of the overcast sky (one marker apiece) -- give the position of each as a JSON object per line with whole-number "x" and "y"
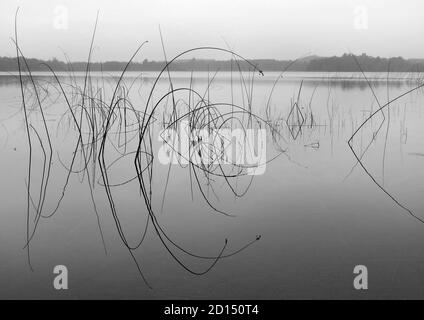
{"x": 280, "y": 29}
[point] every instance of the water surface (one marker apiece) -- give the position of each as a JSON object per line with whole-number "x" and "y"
{"x": 318, "y": 212}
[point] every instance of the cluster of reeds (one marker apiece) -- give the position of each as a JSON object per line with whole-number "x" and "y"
{"x": 107, "y": 129}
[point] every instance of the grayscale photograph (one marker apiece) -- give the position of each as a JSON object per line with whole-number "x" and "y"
{"x": 211, "y": 155}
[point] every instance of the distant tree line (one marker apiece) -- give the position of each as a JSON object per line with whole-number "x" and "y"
{"x": 349, "y": 62}
{"x": 345, "y": 63}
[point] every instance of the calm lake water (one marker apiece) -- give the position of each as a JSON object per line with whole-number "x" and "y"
{"x": 318, "y": 212}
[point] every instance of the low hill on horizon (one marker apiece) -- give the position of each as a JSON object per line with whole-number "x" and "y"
{"x": 344, "y": 63}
